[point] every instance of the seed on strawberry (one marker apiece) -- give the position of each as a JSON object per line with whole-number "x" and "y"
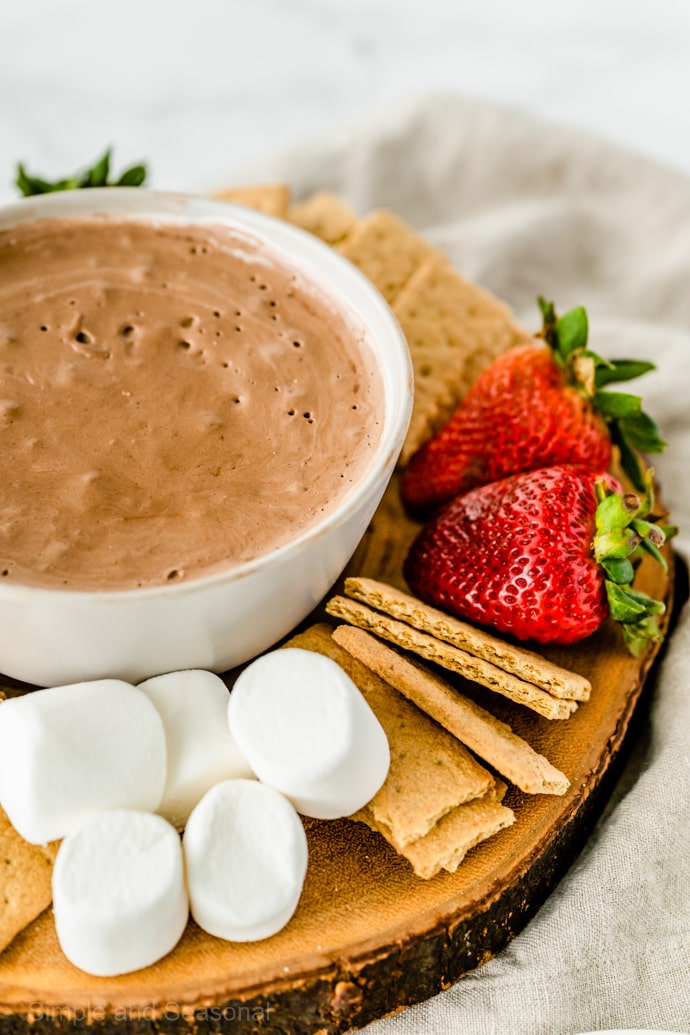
{"x": 543, "y": 555}
{"x": 537, "y": 405}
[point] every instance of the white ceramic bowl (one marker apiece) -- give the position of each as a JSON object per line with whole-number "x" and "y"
{"x": 50, "y": 636}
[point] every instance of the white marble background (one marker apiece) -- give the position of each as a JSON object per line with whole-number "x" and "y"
{"x": 207, "y": 91}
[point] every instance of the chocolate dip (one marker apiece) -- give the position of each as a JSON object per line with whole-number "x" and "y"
{"x": 174, "y": 400}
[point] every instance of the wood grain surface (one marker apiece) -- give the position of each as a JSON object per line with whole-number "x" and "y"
{"x": 368, "y": 937}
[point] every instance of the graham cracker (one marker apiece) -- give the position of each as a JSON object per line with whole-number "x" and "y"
{"x": 431, "y": 772}
{"x": 25, "y": 880}
{"x": 454, "y": 330}
{"x": 273, "y": 199}
{"x": 450, "y": 841}
{"x": 496, "y": 792}
{"x": 447, "y": 844}
{"x": 453, "y": 658}
{"x": 386, "y": 250}
{"x": 485, "y": 735}
{"x": 526, "y": 664}
{"x": 324, "y": 215}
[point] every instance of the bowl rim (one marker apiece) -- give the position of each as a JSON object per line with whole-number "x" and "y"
{"x": 338, "y": 280}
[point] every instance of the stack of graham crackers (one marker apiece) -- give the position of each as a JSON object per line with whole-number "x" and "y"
{"x": 438, "y": 800}
{"x": 515, "y": 673}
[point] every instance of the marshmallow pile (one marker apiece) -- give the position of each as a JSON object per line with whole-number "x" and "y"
{"x": 115, "y": 771}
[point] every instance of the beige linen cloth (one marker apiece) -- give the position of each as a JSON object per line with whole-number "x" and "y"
{"x": 527, "y": 208}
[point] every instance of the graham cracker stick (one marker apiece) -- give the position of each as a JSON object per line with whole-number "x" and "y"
{"x": 25, "y": 880}
{"x": 452, "y": 658}
{"x": 522, "y": 663}
{"x": 323, "y": 215}
{"x": 487, "y": 736}
{"x": 428, "y": 775}
{"x": 454, "y": 330}
{"x": 386, "y": 250}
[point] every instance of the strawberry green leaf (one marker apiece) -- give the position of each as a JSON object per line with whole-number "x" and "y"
{"x": 653, "y": 549}
{"x": 29, "y": 185}
{"x": 628, "y": 604}
{"x": 619, "y": 570}
{"x": 95, "y": 176}
{"x": 133, "y": 177}
{"x": 624, "y": 608}
{"x": 651, "y": 606}
{"x": 547, "y": 310}
{"x": 617, "y": 404}
{"x": 622, "y": 370}
{"x": 638, "y": 634}
{"x": 642, "y": 433}
{"x": 572, "y": 331}
{"x": 549, "y": 319}
{"x": 630, "y": 461}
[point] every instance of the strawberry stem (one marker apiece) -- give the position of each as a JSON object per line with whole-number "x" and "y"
{"x": 623, "y": 533}
{"x": 631, "y": 429}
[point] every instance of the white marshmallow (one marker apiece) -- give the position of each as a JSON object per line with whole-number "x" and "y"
{"x": 246, "y": 856}
{"x": 71, "y": 751}
{"x": 308, "y": 732}
{"x": 119, "y": 894}
{"x": 201, "y": 751}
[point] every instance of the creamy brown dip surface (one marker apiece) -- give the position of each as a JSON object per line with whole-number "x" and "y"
{"x": 173, "y": 401}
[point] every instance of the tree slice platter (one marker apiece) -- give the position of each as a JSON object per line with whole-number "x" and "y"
{"x": 368, "y": 938}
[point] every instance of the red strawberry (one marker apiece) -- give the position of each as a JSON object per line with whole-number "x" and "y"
{"x": 544, "y": 555}
{"x": 536, "y": 405}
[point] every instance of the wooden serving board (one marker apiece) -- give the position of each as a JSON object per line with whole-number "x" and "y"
{"x": 368, "y": 937}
